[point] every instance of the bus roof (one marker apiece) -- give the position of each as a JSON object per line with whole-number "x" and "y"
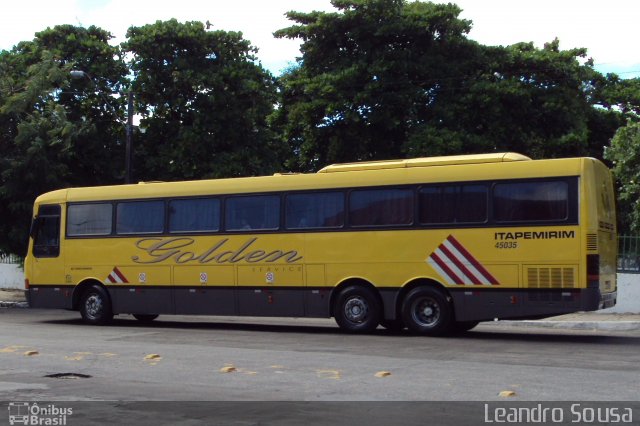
{"x": 426, "y": 162}
{"x": 392, "y": 172}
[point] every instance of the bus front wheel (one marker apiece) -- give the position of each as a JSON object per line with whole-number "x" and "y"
{"x": 357, "y": 310}
{"x": 95, "y": 306}
{"x": 427, "y": 311}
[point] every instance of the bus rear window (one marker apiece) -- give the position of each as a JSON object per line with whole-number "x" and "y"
{"x": 531, "y": 201}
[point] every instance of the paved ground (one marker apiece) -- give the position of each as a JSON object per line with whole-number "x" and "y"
{"x": 301, "y": 368}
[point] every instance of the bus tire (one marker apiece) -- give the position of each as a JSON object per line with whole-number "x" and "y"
{"x": 95, "y": 306}
{"x": 145, "y": 318}
{"x": 426, "y": 311}
{"x": 357, "y": 310}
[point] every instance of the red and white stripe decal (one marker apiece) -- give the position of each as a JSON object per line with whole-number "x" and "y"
{"x": 116, "y": 277}
{"x": 457, "y": 266}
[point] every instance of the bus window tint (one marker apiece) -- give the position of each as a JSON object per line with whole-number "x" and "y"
{"x": 531, "y": 201}
{"x": 453, "y": 204}
{"x": 381, "y": 207}
{"x": 315, "y": 210}
{"x": 89, "y": 219}
{"x": 46, "y": 235}
{"x": 472, "y": 204}
{"x": 437, "y": 204}
{"x": 194, "y": 215}
{"x": 257, "y": 212}
{"x": 140, "y": 217}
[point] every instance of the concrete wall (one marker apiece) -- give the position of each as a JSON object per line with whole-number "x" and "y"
{"x": 628, "y": 295}
{"x": 11, "y": 276}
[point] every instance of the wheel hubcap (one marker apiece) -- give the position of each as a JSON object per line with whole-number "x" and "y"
{"x": 93, "y": 306}
{"x": 426, "y": 312}
{"x": 356, "y": 309}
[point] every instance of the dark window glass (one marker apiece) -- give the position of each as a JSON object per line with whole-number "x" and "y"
{"x": 194, "y": 215}
{"x": 437, "y": 204}
{"x": 315, "y": 210}
{"x": 531, "y": 201}
{"x": 257, "y": 212}
{"x": 471, "y": 205}
{"x": 381, "y": 207}
{"x": 140, "y": 217}
{"x": 46, "y": 232}
{"x": 89, "y": 219}
{"x": 453, "y": 204}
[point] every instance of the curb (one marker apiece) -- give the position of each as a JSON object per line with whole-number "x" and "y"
{"x": 574, "y": 325}
{"x": 14, "y": 304}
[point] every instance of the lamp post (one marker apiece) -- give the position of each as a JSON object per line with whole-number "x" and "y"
{"x": 79, "y": 74}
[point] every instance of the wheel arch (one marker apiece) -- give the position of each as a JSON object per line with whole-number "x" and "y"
{"x": 351, "y": 281}
{"x": 420, "y": 282}
{"x": 82, "y": 286}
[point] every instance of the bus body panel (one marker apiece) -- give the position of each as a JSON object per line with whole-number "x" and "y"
{"x": 490, "y": 271}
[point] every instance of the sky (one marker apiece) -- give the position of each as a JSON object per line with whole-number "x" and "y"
{"x": 606, "y": 28}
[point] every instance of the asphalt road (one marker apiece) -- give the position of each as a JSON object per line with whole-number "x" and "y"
{"x": 51, "y": 356}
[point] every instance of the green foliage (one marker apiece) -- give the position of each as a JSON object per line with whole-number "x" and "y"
{"x": 383, "y": 79}
{"x": 204, "y": 103}
{"x": 624, "y": 153}
{"x": 377, "y": 79}
{"x": 55, "y": 133}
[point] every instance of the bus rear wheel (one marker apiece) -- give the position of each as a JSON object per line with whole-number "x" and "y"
{"x": 426, "y": 311}
{"x": 95, "y": 306}
{"x": 357, "y": 310}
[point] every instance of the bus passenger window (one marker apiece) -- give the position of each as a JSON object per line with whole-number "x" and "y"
{"x": 315, "y": 210}
{"x": 89, "y": 219}
{"x": 381, "y": 207}
{"x": 194, "y": 215}
{"x": 471, "y": 205}
{"x": 437, "y": 204}
{"x": 140, "y": 217}
{"x": 531, "y": 201}
{"x": 258, "y": 212}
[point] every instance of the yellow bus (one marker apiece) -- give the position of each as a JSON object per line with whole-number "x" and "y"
{"x": 432, "y": 244}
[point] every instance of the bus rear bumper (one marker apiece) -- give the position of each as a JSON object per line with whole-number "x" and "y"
{"x": 485, "y": 305}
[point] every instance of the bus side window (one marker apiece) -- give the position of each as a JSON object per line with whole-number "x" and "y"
{"x": 46, "y": 232}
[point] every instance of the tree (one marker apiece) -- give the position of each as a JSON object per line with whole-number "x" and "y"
{"x": 204, "y": 103}
{"x": 624, "y": 153}
{"x": 55, "y": 133}
{"x": 387, "y": 78}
